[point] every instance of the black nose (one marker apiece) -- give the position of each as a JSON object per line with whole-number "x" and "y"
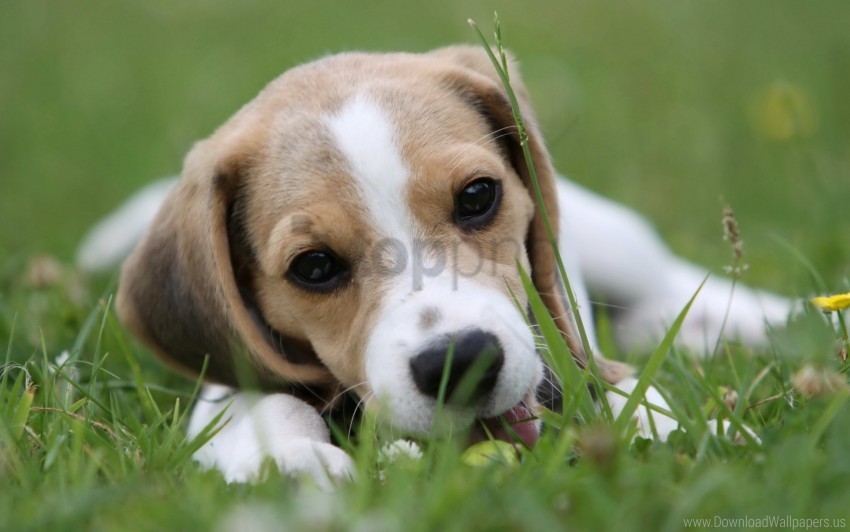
{"x": 474, "y": 352}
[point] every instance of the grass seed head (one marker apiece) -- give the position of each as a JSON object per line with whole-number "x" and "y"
{"x": 732, "y": 234}
{"x": 812, "y": 381}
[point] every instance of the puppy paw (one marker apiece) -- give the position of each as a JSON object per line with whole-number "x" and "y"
{"x": 662, "y": 425}
{"x": 738, "y": 438}
{"x": 326, "y": 464}
{"x": 659, "y": 426}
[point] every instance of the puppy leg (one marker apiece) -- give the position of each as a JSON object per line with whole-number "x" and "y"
{"x": 625, "y": 262}
{"x": 662, "y": 424}
{"x": 258, "y": 427}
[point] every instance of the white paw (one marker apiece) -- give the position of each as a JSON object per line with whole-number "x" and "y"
{"x": 326, "y": 464}
{"x": 727, "y": 428}
{"x": 662, "y": 424}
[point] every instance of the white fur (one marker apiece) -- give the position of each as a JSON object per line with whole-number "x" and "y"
{"x": 258, "y": 427}
{"x": 114, "y": 237}
{"x": 364, "y": 134}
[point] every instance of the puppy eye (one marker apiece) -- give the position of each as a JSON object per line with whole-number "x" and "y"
{"x": 317, "y": 270}
{"x": 477, "y": 203}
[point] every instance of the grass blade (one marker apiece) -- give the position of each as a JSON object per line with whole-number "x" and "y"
{"x": 501, "y": 69}
{"x": 22, "y": 412}
{"x": 571, "y": 379}
{"x": 652, "y": 366}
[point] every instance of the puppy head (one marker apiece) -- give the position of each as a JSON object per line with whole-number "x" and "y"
{"x": 360, "y": 218}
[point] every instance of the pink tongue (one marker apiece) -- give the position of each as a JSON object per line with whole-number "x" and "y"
{"x": 522, "y": 423}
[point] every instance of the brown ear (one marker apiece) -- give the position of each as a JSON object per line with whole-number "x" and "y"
{"x": 178, "y": 291}
{"x": 479, "y": 82}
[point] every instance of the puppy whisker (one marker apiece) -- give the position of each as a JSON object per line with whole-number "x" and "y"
{"x": 361, "y": 403}
{"x": 345, "y": 391}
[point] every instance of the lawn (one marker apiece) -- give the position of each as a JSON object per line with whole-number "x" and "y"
{"x": 674, "y": 108}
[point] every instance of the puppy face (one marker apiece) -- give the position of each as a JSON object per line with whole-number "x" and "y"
{"x": 399, "y": 266}
{"x": 362, "y": 217}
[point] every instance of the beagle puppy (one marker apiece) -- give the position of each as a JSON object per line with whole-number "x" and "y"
{"x": 358, "y": 227}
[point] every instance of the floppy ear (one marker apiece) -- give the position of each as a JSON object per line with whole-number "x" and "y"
{"x": 178, "y": 291}
{"x": 478, "y": 81}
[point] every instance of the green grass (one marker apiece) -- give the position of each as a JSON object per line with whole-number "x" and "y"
{"x": 667, "y": 106}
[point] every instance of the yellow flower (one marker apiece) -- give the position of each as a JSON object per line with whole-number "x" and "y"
{"x": 832, "y": 303}
{"x": 782, "y": 112}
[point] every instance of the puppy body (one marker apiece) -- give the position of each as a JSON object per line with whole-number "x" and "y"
{"x": 362, "y": 216}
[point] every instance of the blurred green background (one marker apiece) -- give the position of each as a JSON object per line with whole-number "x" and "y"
{"x": 667, "y": 106}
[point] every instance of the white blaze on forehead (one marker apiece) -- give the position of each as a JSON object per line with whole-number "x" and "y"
{"x": 364, "y": 134}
